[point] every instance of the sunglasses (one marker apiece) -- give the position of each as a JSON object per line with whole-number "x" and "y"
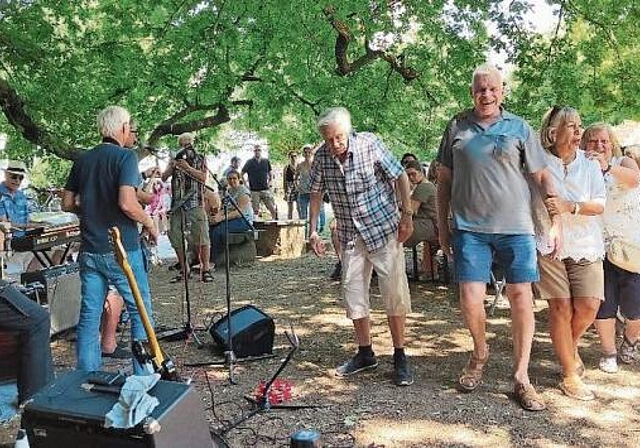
{"x": 16, "y": 176}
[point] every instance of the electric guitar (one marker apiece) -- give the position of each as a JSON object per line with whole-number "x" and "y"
{"x": 162, "y": 364}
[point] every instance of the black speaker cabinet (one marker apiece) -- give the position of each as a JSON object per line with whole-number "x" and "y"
{"x": 251, "y": 332}
{"x": 63, "y": 414}
{"x": 61, "y": 294}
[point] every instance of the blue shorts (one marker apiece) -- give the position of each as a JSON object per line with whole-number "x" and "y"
{"x": 473, "y": 254}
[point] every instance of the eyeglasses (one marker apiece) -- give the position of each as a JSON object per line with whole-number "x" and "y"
{"x": 14, "y": 176}
{"x": 232, "y": 178}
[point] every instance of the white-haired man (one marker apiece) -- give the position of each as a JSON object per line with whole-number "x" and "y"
{"x": 487, "y": 155}
{"x": 362, "y": 180}
{"x": 188, "y": 171}
{"x": 101, "y": 188}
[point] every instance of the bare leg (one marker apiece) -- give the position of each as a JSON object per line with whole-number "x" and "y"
{"x": 585, "y": 310}
{"x": 362, "y": 328}
{"x": 396, "y": 326}
{"x": 110, "y": 317}
{"x": 204, "y": 258}
{"x": 522, "y": 328}
{"x": 607, "y": 331}
{"x": 631, "y": 330}
{"x": 560, "y": 318}
{"x": 472, "y": 307}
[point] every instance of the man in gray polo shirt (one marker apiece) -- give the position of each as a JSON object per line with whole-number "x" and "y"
{"x": 487, "y": 157}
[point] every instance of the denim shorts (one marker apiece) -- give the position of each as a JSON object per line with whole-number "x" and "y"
{"x": 473, "y": 254}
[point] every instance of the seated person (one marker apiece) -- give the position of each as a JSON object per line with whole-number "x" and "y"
{"x": 241, "y": 195}
{"x": 31, "y": 323}
{"x": 423, "y": 204}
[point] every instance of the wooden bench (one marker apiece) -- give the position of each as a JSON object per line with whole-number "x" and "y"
{"x": 242, "y": 249}
{"x": 283, "y": 238}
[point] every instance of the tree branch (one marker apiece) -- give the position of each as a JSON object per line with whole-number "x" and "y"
{"x": 14, "y": 110}
{"x": 344, "y": 67}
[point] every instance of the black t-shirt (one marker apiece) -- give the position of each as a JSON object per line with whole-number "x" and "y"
{"x": 258, "y": 172}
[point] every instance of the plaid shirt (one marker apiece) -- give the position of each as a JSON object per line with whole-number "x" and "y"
{"x": 361, "y": 190}
{"x": 14, "y": 207}
{"x": 189, "y": 186}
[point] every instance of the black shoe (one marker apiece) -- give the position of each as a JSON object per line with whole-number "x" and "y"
{"x": 402, "y": 372}
{"x": 118, "y": 353}
{"x": 337, "y": 272}
{"x": 357, "y": 364}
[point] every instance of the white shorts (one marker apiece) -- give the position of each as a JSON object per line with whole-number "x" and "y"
{"x": 389, "y": 263}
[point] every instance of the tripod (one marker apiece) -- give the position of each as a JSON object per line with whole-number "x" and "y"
{"x": 262, "y": 403}
{"x": 187, "y": 332}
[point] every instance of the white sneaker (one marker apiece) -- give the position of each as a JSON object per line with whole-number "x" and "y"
{"x": 609, "y": 364}
{"x": 21, "y": 440}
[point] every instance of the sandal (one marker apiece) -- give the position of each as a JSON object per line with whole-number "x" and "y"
{"x": 573, "y": 387}
{"x": 471, "y": 376}
{"x": 207, "y": 277}
{"x": 528, "y": 398}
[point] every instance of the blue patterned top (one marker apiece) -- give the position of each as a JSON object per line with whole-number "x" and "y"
{"x": 361, "y": 190}
{"x": 14, "y": 207}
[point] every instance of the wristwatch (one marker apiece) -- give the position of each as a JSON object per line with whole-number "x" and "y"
{"x": 576, "y": 209}
{"x": 606, "y": 170}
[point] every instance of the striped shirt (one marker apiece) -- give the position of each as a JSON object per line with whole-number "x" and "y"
{"x": 182, "y": 186}
{"x": 361, "y": 189}
{"x": 14, "y": 207}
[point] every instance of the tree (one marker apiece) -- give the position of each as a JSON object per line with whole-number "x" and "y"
{"x": 272, "y": 66}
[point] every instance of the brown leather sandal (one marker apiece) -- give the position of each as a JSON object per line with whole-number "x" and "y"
{"x": 528, "y": 398}
{"x": 471, "y": 376}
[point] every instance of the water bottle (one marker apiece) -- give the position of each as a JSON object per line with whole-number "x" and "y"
{"x": 21, "y": 439}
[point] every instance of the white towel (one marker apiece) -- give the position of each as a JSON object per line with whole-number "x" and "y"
{"x": 134, "y": 404}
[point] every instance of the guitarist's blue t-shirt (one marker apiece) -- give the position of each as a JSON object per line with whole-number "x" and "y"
{"x": 97, "y": 176}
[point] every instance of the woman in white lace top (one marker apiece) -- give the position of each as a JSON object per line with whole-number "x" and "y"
{"x": 621, "y": 218}
{"x": 571, "y": 279}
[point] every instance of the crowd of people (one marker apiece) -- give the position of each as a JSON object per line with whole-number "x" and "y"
{"x": 555, "y": 210}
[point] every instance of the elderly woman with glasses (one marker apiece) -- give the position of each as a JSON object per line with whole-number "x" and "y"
{"x": 238, "y": 221}
{"x": 620, "y": 218}
{"x": 571, "y": 279}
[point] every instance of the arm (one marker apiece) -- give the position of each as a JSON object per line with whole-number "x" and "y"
{"x": 69, "y": 203}
{"x": 168, "y": 172}
{"x": 627, "y": 173}
{"x": 317, "y": 245}
{"x": 143, "y": 196}
{"x": 405, "y": 227}
{"x": 199, "y": 174}
{"x": 128, "y": 203}
{"x": 443, "y": 192}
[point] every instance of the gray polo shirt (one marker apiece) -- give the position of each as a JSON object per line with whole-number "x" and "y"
{"x": 490, "y": 191}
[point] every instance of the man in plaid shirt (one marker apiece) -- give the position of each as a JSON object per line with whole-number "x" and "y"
{"x": 362, "y": 180}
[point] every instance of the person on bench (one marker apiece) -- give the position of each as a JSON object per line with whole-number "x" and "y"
{"x": 241, "y": 195}
{"x": 423, "y": 204}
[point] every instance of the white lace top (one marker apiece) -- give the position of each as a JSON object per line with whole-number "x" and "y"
{"x": 621, "y": 215}
{"x": 579, "y": 181}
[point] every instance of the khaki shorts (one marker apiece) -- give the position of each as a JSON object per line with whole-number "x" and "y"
{"x": 566, "y": 279}
{"x": 197, "y": 225}
{"x": 389, "y": 263}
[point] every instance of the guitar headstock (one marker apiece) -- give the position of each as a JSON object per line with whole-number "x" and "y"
{"x": 118, "y": 248}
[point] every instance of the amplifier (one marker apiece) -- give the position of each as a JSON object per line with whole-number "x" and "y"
{"x": 65, "y": 414}
{"x": 252, "y": 332}
{"x": 61, "y": 294}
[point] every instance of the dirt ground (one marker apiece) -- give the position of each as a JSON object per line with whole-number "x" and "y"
{"x": 368, "y": 410}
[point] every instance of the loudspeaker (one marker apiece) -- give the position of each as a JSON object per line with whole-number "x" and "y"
{"x": 252, "y": 332}
{"x": 61, "y": 294}
{"x": 65, "y": 414}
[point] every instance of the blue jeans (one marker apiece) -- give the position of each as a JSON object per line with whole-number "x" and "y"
{"x": 474, "y": 252}
{"x": 217, "y": 234}
{"x": 303, "y": 210}
{"x": 97, "y": 272}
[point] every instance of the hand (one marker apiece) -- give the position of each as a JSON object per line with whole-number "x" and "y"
{"x": 557, "y": 206}
{"x": 405, "y": 228}
{"x": 444, "y": 238}
{"x": 317, "y": 245}
{"x": 555, "y": 237}
{"x": 152, "y": 172}
{"x": 182, "y": 165}
{"x": 152, "y": 234}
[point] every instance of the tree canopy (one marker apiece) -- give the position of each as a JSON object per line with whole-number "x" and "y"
{"x": 401, "y": 67}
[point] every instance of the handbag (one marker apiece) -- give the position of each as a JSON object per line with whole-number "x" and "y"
{"x": 624, "y": 254}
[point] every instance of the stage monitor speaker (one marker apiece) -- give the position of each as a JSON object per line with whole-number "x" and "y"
{"x": 65, "y": 414}
{"x": 252, "y": 332}
{"x": 61, "y": 294}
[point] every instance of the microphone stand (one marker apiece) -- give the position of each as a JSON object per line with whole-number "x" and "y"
{"x": 229, "y": 354}
{"x": 188, "y": 331}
